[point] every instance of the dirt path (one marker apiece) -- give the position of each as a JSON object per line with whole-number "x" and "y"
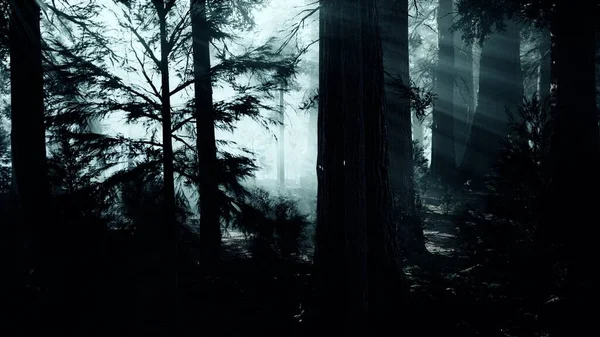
{"x": 440, "y": 232}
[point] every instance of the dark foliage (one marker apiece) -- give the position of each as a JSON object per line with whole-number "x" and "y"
{"x": 276, "y": 229}
{"x": 141, "y": 200}
{"x": 478, "y": 18}
{"x": 502, "y": 240}
{"x": 520, "y": 175}
{"x": 516, "y": 188}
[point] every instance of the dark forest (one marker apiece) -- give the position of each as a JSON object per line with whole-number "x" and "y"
{"x": 299, "y": 167}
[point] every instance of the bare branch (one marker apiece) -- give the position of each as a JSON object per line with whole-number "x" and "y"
{"x": 144, "y": 44}
{"x": 177, "y": 31}
{"x": 181, "y": 86}
{"x": 185, "y": 143}
{"x": 182, "y": 123}
{"x": 143, "y": 68}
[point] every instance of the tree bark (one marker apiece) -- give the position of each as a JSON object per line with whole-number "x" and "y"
{"x": 356, "y": 258}
{"x": 394, "y": 37}
{"x": 210, "y": 225}
{"x": 30, "y": 186}
{"x": 168, "y": 233}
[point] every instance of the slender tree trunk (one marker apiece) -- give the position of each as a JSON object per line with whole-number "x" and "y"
{"x": 356, "y": 255}
{"x": 500, "y": 88}
{"x": 30, "y": 185}
{"x": 443, "y": 157}
{"x": 210, "y": 225}
{"x": 463, "y": 94}
{"x": 169, "y": 182}
{"x": 281, "y": 143}
{"x": 394, "y": 35}
{"x": 169, "y": 232}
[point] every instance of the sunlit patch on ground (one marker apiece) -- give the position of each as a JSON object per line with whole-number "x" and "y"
{"x": 438, "y": 242}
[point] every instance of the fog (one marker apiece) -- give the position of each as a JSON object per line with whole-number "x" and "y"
{"x": 274, "y": 21}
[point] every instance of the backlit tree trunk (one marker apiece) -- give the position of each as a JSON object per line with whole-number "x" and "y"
{"x": 356, "y": 257}
{"x": 500, "y": 88}
{"x": 30, "y": 187}
{"x": 443, "y": 157}
{"x": 464, "y": 103}
{"x": 394, "y": 35}
{"x": 210, "y": 226}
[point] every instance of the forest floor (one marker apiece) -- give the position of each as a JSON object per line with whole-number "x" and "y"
{"x": 462, "y": 291}
{"x": 451, "y": 293}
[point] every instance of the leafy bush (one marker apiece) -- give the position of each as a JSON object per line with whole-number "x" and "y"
{"x": 274, "y": 226}
{"x": 504, "y": 237}
{"x": 142, "y": 207}
{"x": 507, "y": 230}
{"x": 520, "y": 175}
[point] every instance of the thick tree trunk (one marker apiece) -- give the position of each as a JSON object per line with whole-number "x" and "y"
{"x": 210, "y": 225}
{"x": 356, "y": 255}
{"x": 500, "y": 88}
{"x": 385, "y": 276}
{"x": 340, "y": 256}
{"x": 443, "y": 155}
{"x": 394, "y": 36}
{"x": 575, "y": 151}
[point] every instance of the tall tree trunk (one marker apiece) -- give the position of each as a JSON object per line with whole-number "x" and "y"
{"x": 443, "y": 157}
{"x": 385, "y": 276}
{"x": 340, "y": 255}
{"x": 394, "y": 37}
{"x": 281, "y": 143}
{"x": 500, "y": 88}
{"x": 464, "y": 102}
{"x": 30, "y": 186}
{"x": 169, "y": 182}
{"x": 169, "y": 232}
{"x": 356, "y": 257}
{"x": 210, "y": 226}
{"x": 575, "y": 151}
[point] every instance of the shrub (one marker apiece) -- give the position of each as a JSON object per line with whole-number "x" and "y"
{"x": 274, "y": 226}
{"x": 505, "y": 236}
{"x": 520, "y": 175}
